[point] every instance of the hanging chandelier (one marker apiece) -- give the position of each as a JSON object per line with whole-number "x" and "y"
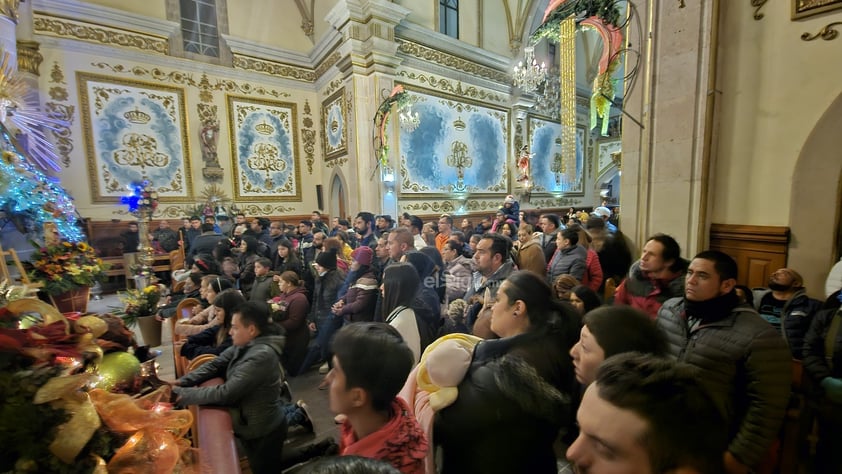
{"x": 530, "y": 76}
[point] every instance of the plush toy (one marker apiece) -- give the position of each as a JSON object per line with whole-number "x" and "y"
{"x": 443, "y": 365}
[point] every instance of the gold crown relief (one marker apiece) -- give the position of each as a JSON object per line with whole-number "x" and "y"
{"x": 458, "y": 124}
{"x": 136, "y": 116}
{"x": 264, "y": 128}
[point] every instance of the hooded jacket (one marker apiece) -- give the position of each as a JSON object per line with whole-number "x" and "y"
{"x": 457, "y": 277}
{"x": 252, "y": 388}
{"x": 360, "y": 299}
{"x": 293, "y": 318}
{"x": 648, "y": 294}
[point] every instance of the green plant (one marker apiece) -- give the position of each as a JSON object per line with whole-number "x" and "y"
{"x": 138, "y": 303}
{"x": 66, "y": 266}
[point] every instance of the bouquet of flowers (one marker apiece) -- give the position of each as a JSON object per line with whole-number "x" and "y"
{"x": 143, "y": 197}
{"x": 66, "y": 266}
{"x": 138, "y": 303}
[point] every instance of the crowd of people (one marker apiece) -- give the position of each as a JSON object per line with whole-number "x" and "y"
{"x": 507, "y": 341}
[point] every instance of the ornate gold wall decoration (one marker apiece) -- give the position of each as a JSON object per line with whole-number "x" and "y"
{"x": 62, "y": 136}
{"x": 805, "y": 8}
{"x": 29, "y": 59}
{"x": 407, "y": 184}
{"x": 9, "y": 9}
{"x": 274, "y": 68}
{"x": 454, "y": 88}
{"x": 455, "y": 62}
{"x": 435, "y": 206}
{"x": 332, "y": 87}
{"x": 555, "y": 202}
{"x": 327, "y": 64}
{"x": 98, "y": 34}
{"x": 307, "y": 16}
{"x": 205, "y": 89}
{"x": 308, "y": 134}
{"x": 178, "y": 77}
{"x": 757, "y": 5}
{"x": 827, "y": 33}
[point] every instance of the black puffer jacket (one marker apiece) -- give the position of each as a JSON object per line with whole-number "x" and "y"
{"x": 507, "y": 415}
{"x": 745, "y": 365}
{"x": 815, "y": 356}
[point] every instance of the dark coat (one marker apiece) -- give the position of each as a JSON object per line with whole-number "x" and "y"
{"x": 796, "y": 316}
{"x": 252, "y": 388}
{"x": 815, "y": 356}
{"x": 508, "y": 412}
{"x": 261, "y": 288}
{"x": 205, "y": 343}
{"x": 325, "y": 294}
{"x": 569, "y": 261}
{"x": 360, "y": 299}
{"x": 293, "y": 318}
{"x": 745, "y": 365}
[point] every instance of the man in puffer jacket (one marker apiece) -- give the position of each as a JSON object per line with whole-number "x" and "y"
{"x": 743, "y": 362}
{"x": 786, "y": 306}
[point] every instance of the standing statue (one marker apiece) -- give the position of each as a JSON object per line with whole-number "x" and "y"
{"x": 208, "y": 137}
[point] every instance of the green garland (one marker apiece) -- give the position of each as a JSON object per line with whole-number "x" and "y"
{"x": 605, "y": 9}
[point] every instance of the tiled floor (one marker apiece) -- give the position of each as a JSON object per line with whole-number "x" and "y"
{"x": 304, "y": 387}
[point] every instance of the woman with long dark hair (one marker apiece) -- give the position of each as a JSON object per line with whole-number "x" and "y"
{"x": 400, "y": 286}
{"x": 248, "y": 255}
{"x": 216, "y": 339}
{"x": 358, "y": 294}
{"x": 584, "y": 299}
{"x": 515, "y": 396}
{"x": 286, "y": 259}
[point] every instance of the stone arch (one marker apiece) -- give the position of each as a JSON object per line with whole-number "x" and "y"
{"x": 815, "y": 201}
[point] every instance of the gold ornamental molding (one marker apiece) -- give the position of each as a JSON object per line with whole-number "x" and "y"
{"x": 9, "y": 9}
{"x": 454, "y": 87}
{"x": 555, "y": 202}
{"x": 29, "y": 58}
{"x": 827, "y": 33}
{"x": 327, "y": 64}
{"x": 448, "y": 60}
{"x": 274, "y": 68}
{"x": 308, "y": 134}
{"x": 66, "y": 28}
{"x": 59, "y": 108}
{"x": 250, "y": 209}
{"x": 186, "y": 79}
{"x": 757, "y": 5}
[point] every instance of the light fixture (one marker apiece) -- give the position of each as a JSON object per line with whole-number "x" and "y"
{"x": 409, "y": 120}
{"x": 530, "y": 76}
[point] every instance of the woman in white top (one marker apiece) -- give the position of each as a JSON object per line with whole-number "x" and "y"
{"x": 400, "y": 285}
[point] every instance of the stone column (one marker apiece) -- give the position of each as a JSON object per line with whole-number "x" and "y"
{"x": 367, "y": 65}
{"x": 666, "y": 163}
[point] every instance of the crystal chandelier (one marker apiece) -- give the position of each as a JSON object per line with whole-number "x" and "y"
{"x": 409, "y": 120}
{"x": 531, "y": 76}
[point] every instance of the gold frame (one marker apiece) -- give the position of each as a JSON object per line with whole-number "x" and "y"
{"x": 507, "y": 129}
{"x": 342, "y": 149}
{"x": 264, "y": 196}
{"x": 580, "y": 127}
{"x": 802, "y": 8}
{"x": 82, "y": 80}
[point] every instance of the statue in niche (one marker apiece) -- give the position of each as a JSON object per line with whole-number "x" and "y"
{"x": 208, "y": 137}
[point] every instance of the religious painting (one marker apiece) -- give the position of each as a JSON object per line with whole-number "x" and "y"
{"x": 551, "y": 171}
{"x": 134, "y": 131}
{"x": 452, "y": 146}
{"x": 264, "y": 149}
{"x": 805, "y": 8}
{"x": 608, "y": 155}
{"x": 334, "y": 126}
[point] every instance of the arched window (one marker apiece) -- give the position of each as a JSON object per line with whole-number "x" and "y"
{"x": 199, "y": 27}
{"x": 203, "y": 22}
{"x": 449, "y": 17}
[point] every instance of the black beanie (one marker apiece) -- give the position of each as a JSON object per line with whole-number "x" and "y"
{"x": 327, "y": 259}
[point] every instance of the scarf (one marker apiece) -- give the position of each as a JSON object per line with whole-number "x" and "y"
{"x": 711, "y": 310}
{"x": 400, "y": 442}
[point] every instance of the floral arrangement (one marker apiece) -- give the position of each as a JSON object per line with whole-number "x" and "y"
{"x": 138, "y": 303}
{"x": 144, "y": 198}
{"x": 66, "y": 266}
{"x": 60, "y": 410}
{"x": 400, "y": 97}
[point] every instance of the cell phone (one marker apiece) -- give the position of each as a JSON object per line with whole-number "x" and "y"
{"x": 186, "y": 313}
